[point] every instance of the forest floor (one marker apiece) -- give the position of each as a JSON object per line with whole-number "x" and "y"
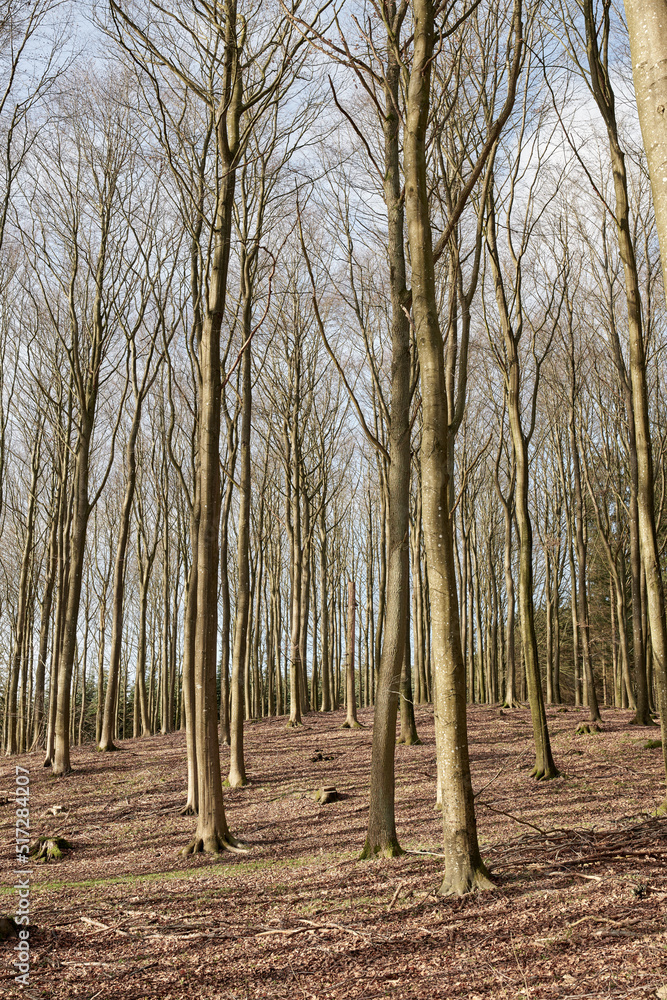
{"x": 579, "y": 909}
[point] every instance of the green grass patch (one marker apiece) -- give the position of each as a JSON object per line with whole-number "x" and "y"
{"x": 234, "y": 870}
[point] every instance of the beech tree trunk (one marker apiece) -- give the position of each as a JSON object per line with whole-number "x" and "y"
{"x": 381, "y": 837}
{"x": 648, "y": 46}
{"x": 106, "y": 741}
{"x": 324, "y": 612}
{"x": 544, "y": 765}
{"x": 464, "y": 868}
{"x": 212, "y": 833}
{"x": 237, "y": 775}
{"x": 61, "y": 759}
{"x": 20, "y": 646}
{"x": 351, "y": 721}
{"x": 45, "y": 624}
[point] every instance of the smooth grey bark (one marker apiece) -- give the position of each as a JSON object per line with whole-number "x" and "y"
{"x": 225, "y": 624}
{"x": 351, "y": 721}
{"x": 507, "y": 503}
{"x": 237, "y": 774}
{"x": 145, "y": 560}
{"x": 106, "y": 740}
{"x": 579, "y": 519}
{"x": 545, "y": 767}
{"x": 45, "y": 622}
{"x": 64, "y": 522}
{"x": 392, "y": 626}
{"x": 22, "y": 613}
{"x": 324, "y": 612}
{"x": 648, "y": 41}
{"x": 81, "y": 511}
{"x": 293, "y": 523}
{"x": 464, "y": 868}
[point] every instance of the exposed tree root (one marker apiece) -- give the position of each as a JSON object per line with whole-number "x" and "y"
{"x": 638, "y": 720}
{"x": 587, "y": 728}
{"x": 410, "y": 741}
{"x": 545, "y": 773}
{"x": 215, "y": 844}
{"x": 390, "y": 849}
{"x": 352, "y": 725}
{"x": 108, "y": 747}
{"x": 475, "y": 880}
{"x": 512, "y": 704}
{"x": 188, "y": 810}
{"x": 293, "y": 724}
{"x": 237, "y": 781}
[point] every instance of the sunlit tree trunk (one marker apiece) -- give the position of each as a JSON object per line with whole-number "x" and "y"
{"x": 464, "y": 868}
{"x": 237, "y": 775}
{"x": 22, "y": 613}
{"x": 648, "y": 46}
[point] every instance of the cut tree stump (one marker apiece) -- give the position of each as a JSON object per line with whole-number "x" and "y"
{"x": 8, "y": 928}
{"x": 326, "y": 793}
{"x": 49, "y": 848}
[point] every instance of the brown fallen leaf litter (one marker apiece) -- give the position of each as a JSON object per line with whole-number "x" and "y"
{"x": 579, "y": 909}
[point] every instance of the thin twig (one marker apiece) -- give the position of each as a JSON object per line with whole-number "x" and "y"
{"x": 395, "y": 896}
{"x": 516, "y": 819}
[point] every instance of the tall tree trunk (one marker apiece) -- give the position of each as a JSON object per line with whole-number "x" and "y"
{"x": 64, "y": 526}
{"x": 106, "y": 742}
{"x": 648, "y": 44}
{"x": 544, "y": 764}
{"x": 510, "y": 699}
{"x": 81, "y": 511}
{"x": 189, "y": 631}
{"x": 548, "y": 597}
{"x": 45, "y": 623}
{"x": 464, "y": 868}
{"x": 100, "y": 669}
{"x": 324, "y": 611}
{"x": 304, "y": 603}
{"x": 385, "y": 487}
{"x": 293, "y": 503}
{"x": 237, "y": 775}
{"x": 582, "y": 603}
{"x": 408, "y": 734}
{"x": 20, "y": 647}
{"x": 232, "y": 450}
{"x": 556, "y": 604}
{"x": 84, "y": 659}
{"x": 212, "y": 833}
{"x": 351, "y": 721}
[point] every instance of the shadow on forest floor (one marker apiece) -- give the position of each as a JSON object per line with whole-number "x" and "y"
{"x": 579, "y": 908}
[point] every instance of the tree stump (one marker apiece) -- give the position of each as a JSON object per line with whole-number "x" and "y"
{"x": 47, "y": 849}
{"x": 8, "y": 928}
{"x": 326, "y": 793}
